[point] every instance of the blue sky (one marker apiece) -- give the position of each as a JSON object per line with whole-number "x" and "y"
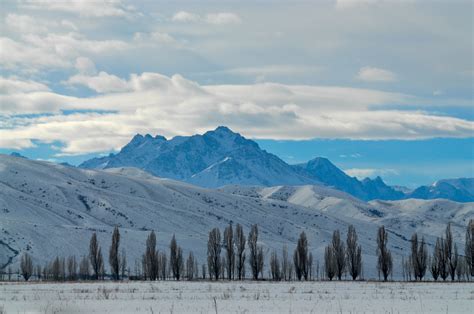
{"x": 389, "y": 83}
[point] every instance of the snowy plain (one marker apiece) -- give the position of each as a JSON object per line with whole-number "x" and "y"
{"x": 237, "y": 297}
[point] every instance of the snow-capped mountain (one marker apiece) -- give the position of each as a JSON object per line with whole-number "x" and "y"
{"x": 222, "y": 157}
{"x": 459, "y": 190}
{"x": 214, "y": 159}
{"x": 321, "y": 169}
{"x": 48, "y": 209}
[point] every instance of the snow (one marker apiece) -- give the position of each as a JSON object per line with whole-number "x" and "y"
{"x": 237, "y": 297}
{"x": 221, "y": 157}
{"x": 49, "y": 209}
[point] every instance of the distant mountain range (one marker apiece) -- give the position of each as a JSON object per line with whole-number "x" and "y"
{"x": 221, "y": 157}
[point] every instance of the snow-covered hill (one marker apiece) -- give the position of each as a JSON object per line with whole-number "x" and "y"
{"x": 50, "y": 209}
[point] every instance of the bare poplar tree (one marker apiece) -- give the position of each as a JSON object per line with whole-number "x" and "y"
{"x": 214, "y": 253}
{"x": 123, "y": 264}
{"x": 256, "y": 253}
{"x": 95, "y": 256}
{"x": 354, "y": 253}
{"x": 340, "y": 253}
{"x": 290, "y": 271}
{"x": 196, "y": 268}
{"x": 285, "y": 263}
{"x": 84, "y": 268}
{"x": 418, "y": 257}
{"x": 114, "y": 256}
{"x": 442, "y": 258}
{"x": 150, "y": 258}
{"x": 56, "y": 269}
{"x": 451, "y": 252}
{"x": 260, "y": 260}
{"x": 102, "y": 268}
{"x": 461, "y": 268}
{"x": 239, "y": 240}
{"x": 203, "y": 271}
{"x": 26, "y": 266}
{"x": 434, "y": 267}
{"x": 229, "y": 247}
{"x": 223, "y": 267}
{"x": 384, "y": 256}
{"x": 275, "y": 266}
{"x": 162, "y": 265}
{"x": 310, "y": 266}
{"x": 190, "y": 262}
{"x": 38, "y": 272}
{"x": 300, "y": 257}
{"x": 330, "y": 267}
{"x": 72, "y": 268}
{"x": 176, "y": 259}
{"x": 469, "y": 248}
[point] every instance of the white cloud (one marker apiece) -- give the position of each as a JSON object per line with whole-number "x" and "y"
{"x": 84, "y": 8}
{"x": 25, "y": 24}
{"x": 347, "y": 4}
{"x": 85, "y": 66}
{"x": 220, "y": 18}
{"x": 52, "y": 51}
{"x": 371, "y": 74}
{"x": 183, "y": 16}
{"x": 154, "y": 103}
{"x": 223, "y": 18}
{"x": 276, "y": 69}
{"x": 362, "y": 173}
{"x": 14, "y": 85}
{"x": 101, "y": 83}
{"x": 155, "y": 37}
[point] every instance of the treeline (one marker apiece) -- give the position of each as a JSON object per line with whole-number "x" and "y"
{"x": 234, "y": 256}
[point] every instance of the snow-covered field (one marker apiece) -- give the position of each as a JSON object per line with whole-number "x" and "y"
{"x": 237, "y": 297}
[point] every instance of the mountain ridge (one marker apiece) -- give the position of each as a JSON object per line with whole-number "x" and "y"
{"x": 222, "y": 157}
{"x": 49, "y": 209}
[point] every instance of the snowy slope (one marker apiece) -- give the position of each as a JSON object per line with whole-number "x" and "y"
{"x": 50, "y": 209}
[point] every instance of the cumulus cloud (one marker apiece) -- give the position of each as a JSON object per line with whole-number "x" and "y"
{"x": 220, "y": 18}
{"x": 85, "y": 66}
{"x": 371, "y": 74}
{"x": 362, "y": 173}
{"x": 183, "y": 16}
{"x": 155, "y": 103}
{"x": 101, "y": 83}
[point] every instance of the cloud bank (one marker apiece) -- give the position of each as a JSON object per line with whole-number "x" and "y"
{"x": 155, "y": 103}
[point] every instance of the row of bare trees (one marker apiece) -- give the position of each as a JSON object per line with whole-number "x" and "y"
{"x": 445, "y": 262}
{"x": 228, "y": 256}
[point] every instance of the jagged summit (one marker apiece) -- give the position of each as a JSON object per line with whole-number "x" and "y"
{"x": 223, "y": 157}
{"x": 215, "y": 158}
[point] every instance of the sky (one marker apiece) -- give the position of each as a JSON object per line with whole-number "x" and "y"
{"x": 380, "y": 87}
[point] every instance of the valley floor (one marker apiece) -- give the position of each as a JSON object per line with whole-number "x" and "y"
{"x": 237, "y": 297}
